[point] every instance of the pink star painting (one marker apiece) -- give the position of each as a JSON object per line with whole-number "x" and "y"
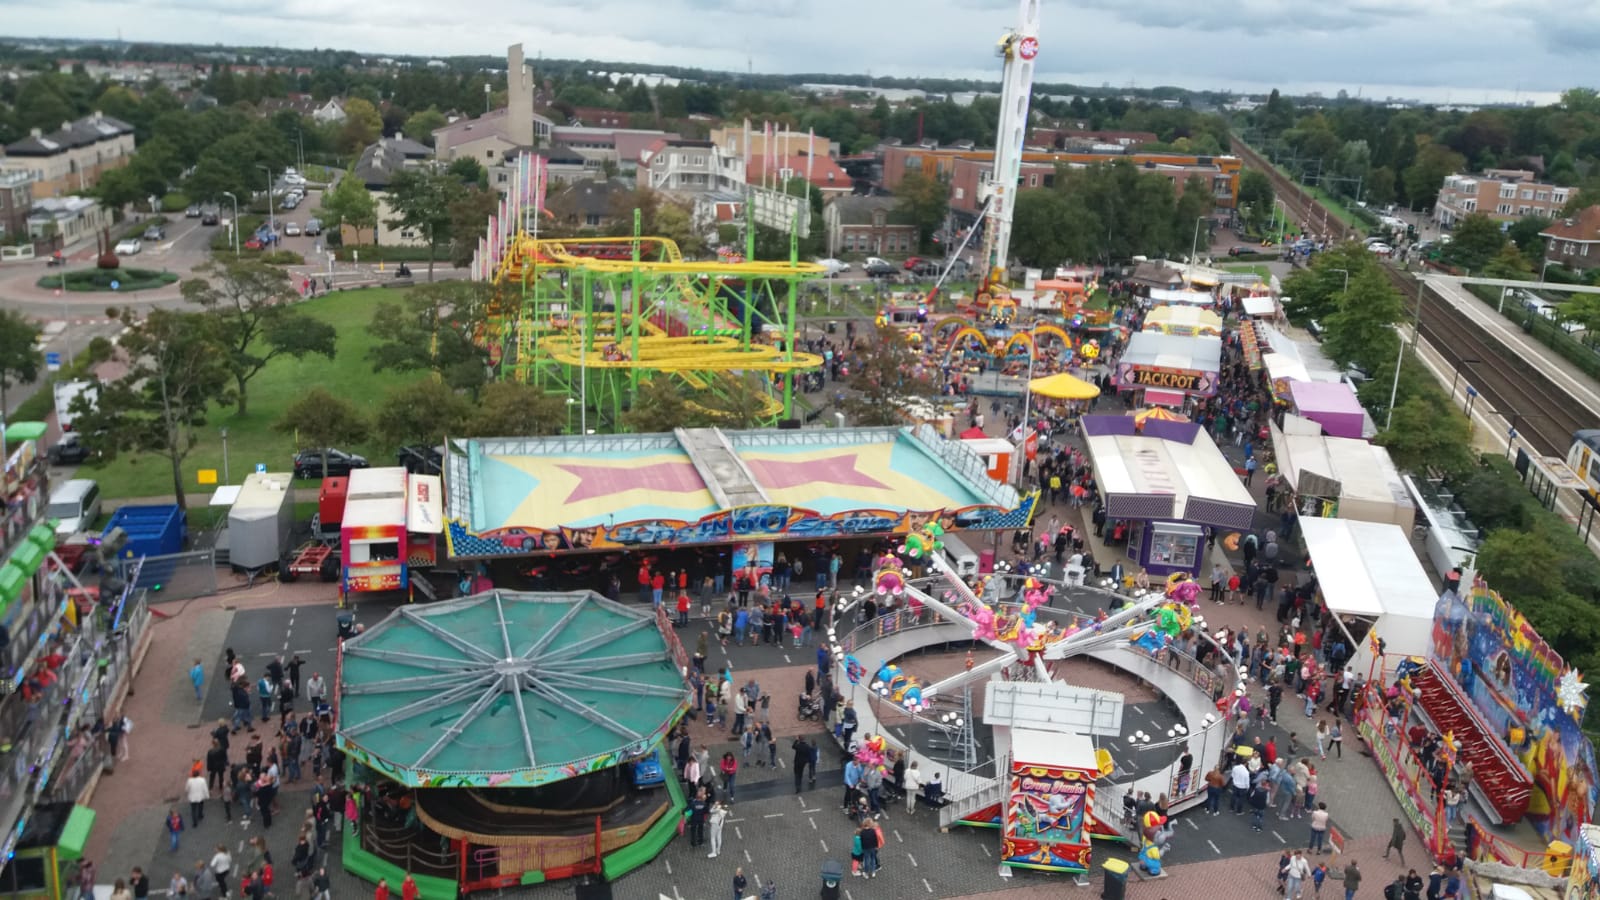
{"x": 835, "y": 469}
{"x": 603, "y": 481}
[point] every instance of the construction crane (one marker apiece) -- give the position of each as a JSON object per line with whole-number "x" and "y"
{"x": 1019, "y": 48}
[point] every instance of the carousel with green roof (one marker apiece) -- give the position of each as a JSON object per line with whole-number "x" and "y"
{"x": 510, "y": 738}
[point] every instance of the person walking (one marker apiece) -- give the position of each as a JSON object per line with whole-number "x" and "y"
{"x": 197, "y": 792}
{"x": 730, "y": 772}
{"x": 197, "y": 677}
{"x": 1319, "y": 830}
{"x": 913, "y": 782}
{"x": 717, "y": 816}
{"x": 174, "y": 828}
{"x": 1299, "y": 869}
{"x": 802, "y": 756}
{"x": 321, "y": 885}
{"x": 872, "y": 780}
{"x": 1397, "y": 841}
{"x": 739, "y": 883}
{"x": 219, "y": 866}
{"x": 1336, "y": 739}
{"x": 1412, "y": 886}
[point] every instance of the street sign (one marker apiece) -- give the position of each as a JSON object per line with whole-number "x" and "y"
{"x": 261, "y": 468}
{"x": 52, "y": 361}
{"x": 207, "y": 476}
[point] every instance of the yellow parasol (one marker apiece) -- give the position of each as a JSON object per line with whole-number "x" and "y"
{"x": 1062, "y": 386}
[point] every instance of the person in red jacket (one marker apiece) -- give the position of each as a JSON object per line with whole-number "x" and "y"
{"x": 683, "y": 609}
{"x": 408, "y": 888}
{"x": 657, "y": 585}
{"x": 644, "y": 582}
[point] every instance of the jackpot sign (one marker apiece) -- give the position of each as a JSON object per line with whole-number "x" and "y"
{"x": 1133, "y": 377}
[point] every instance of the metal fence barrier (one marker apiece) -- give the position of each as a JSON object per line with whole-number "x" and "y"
{"x": 175, "y": 576}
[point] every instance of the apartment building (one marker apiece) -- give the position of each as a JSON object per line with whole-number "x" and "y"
{"x": 16, "y": 200}
{"x": 1504, "y": 195}
{"x": 72, "y": 157}
{"x": 687, "y": 166}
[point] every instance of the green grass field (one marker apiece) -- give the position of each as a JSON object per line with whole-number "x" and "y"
{"x": 1256, "y": 269}
{"x": 252, "y": 439}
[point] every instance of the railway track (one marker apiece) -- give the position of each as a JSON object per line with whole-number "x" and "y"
{"x": 1546, "y": 416}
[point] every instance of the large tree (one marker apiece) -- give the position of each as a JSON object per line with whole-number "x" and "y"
{"x": 432, "y": 329}
{"x": 177, "y": 365}
{"x": 349, "y": 203}
{"x": 924, "y": 201}
{"x": 1477, "y": 239}
{"x": 1361, "y": 330}
{"x": 1428, "y": 435}
{"x": 20, "y": 358}
{"x": 422, "y": 412}
{"x": 514, "y": 409}
{"x": 318, "y": 419}
{"x": 881, "y": 381}
{"x": 421, "y": 200}
{"x": 467, "y": 215}
{"x": 253, "y": 302}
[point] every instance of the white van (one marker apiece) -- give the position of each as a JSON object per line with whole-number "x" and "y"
{"x": 959, "y": 555}
{"x": 75, "y": 504}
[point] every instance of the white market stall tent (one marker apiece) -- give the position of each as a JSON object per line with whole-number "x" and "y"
{"x": 1165, "y": 295}
{"x": 1367, "y": 570}
{"x": 1356, "y": 475}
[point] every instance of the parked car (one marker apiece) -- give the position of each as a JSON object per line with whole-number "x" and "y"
{"x": 879, "y": 261}
{"x": 291, "y": 229}
{"x": 129, "y": 247}
{"x": 1380, "y": 248}
{"x": 290, "y": 202}
{"x": 70, "y": 452}
{"x": 192, "y": 212}
{"x": 912, "y": 262}
{"x": 155, "y": 233}
{"x": 210, "y": 218}
{"x": 313, "y": 227}
{"x": 832, "y": 267}
{"x": 877, "y": 268}
{"x": 294, "y": 178}
{"x": 308, "y": 463}
{"x": 927, "y": 268}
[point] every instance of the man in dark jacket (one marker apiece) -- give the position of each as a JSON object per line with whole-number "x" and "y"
{"x": 804, "y": 753}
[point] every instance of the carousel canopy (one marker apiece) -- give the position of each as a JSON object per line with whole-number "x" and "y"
{"x": 1063, "y": 386}
{"x": 506, "y": 688}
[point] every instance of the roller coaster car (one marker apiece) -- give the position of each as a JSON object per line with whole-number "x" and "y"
{"x": 646, "y": 771}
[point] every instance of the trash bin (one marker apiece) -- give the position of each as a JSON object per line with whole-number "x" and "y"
{"x": 832, "y": 874}
{"x": 1116, "y": 872}
{"x": 833, "y": 327}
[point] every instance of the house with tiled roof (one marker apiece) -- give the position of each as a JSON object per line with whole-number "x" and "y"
{"x": 1574, "y": 242}
{"x": 377, "y": 168}
{"x": 72, "y": 157}
{"x": 868, "y": 225}
{"x": 824, "y": 174}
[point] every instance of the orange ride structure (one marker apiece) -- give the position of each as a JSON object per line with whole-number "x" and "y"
{"x": 593, "y": 317}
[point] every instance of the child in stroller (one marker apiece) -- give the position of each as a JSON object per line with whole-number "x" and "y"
{"x": 809, "y": 707}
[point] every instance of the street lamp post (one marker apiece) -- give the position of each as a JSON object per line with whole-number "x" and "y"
{"x": 225, "y": 478}
{"x": 271, "y": 221}
{"x": 1400, "y": 355}
{"x": 1284, "y": 221}
{"x": 1194, "y": 245}
{"x": 1346, "y": 274}
{"x": 1547, "y": 262}
{"x": 1454, "y": 378}
{"x": 233, "y": 225}
{"x": 1511, "y": 432}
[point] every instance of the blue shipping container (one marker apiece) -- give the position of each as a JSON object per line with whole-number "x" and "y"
{"x": 152, "y": 530}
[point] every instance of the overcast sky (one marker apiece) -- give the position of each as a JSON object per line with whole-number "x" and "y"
{"x": 1463, "y": 51}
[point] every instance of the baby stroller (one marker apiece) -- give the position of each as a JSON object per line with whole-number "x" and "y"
{"x": 809, "y": 708}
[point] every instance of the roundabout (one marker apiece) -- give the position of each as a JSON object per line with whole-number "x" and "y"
{"x": 119, "y": 280}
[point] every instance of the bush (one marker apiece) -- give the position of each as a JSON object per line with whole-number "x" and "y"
{"x": 175, "y": 202}
{"x": 91, "y": 280}
{"x": 282, "y": 258}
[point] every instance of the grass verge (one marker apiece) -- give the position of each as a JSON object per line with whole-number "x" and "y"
{"x": 251, "y": 438}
